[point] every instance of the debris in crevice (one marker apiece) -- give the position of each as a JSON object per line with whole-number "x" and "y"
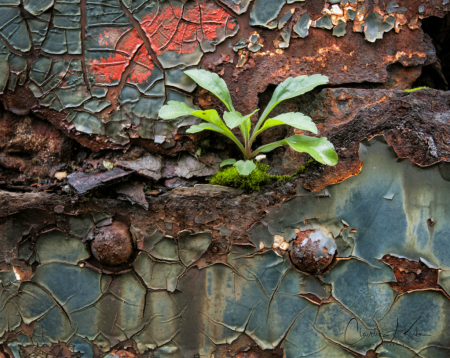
{"x": 84, "y": 182}
{"x": 134, "y": 193}
{"x": 149, "y": 166}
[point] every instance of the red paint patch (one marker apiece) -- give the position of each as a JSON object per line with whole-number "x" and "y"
{"x": 161, "y": 27}
{"x": 109, "y": 70}
{"x": 129, "y": 42}
{"x": 144, "y": 66}
{"x": 215, "y": 18}
{"x": 180, "y": 30}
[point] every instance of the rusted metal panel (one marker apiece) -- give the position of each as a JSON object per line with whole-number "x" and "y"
{"x": 343, "y": 261}
{"x": 164, "y": 302}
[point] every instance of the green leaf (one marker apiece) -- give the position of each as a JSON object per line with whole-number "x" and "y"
{"x": 245, "y": 167}
{"x": 108, "y": 165}
{"x": 245, "y": 127}
{"x": 213, "y": 83}
{"x": 210, "y": 115}
{"x": 296, "y": 120}
{"x": 320, "y": 149}
{"x": 290, "y": 88}
{"x": 233, "y": 119}
{"x": 174, "y": 109}
{"x": 205, "y": 126}
{"x": 213, "y": 117}
{"x": 230, "y": 161}
{"x": 269, "y": 147}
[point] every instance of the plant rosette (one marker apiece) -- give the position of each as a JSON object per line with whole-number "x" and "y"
{"x": 321, "y": 149}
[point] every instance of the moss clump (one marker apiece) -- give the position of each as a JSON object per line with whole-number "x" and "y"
{"x": 259, "y": 176}
{"x": 253, "y": 182}
{"x": 416, "y": 89}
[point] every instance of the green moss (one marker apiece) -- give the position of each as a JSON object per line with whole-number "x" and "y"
{"x": 303, "y": 168}
{"x": 253, "y": 182}
{"x": 416, "y": 89}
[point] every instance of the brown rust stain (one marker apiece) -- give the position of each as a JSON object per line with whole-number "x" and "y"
{"x": 319, "y": 53}
{"x": 246, "y": 347}
{"x": 411, "y": 275}
{"x": 369, "y": 354}
{"x": 312, "y": 298}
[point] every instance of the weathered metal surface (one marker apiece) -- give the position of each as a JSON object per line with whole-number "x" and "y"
{"x": 415, "y": 124}
{"x": 357, "y": 268}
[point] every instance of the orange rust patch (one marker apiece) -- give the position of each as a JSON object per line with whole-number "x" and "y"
{"x": 347, "y": 167}
{"x": 411, "y": 275}
{"x": 122, "y": 353}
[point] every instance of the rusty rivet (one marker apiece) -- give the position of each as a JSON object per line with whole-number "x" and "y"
{"x": 59, "y": 209}
{"x": 112, "y": 245}
{"x": 313, "y": 251}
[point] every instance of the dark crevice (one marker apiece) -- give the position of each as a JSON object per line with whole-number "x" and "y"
{"x": 437, "y": 75}
{"x": 431, "y": 77}
{"x": 83, "y": 37}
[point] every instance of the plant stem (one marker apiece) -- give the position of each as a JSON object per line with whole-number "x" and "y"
{"x": 247, "y": 150}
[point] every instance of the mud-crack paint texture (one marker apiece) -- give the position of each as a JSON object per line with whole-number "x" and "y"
{"x": 114, "y": 52}
{"x": 166, "y": 304}
{"x": 108, "y": 66}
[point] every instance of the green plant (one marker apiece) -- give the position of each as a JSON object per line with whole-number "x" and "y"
{"x": 319, "y": 148}
{"x": 415, "y": 89}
